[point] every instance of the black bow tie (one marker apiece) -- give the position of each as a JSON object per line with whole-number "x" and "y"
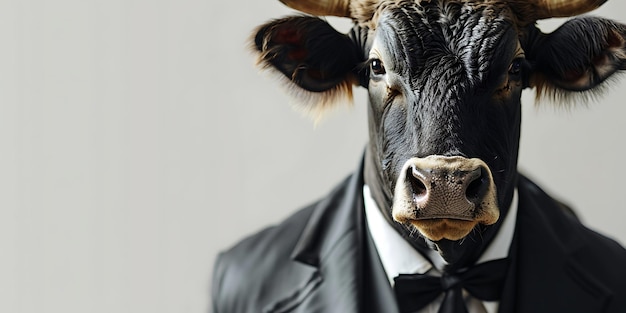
{"x": 484, "y": 281}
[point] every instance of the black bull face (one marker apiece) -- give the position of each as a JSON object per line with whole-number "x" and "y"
{"x": 444, "y": 81}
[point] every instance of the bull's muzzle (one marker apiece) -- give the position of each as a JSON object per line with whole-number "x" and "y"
{"x": 445, "y": 197}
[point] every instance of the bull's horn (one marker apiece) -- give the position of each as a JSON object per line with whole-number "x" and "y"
{"x": 566, "y": 8}
{"x": 339, "y": 8}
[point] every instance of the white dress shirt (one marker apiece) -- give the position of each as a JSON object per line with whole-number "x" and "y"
{"x": 399, "y": 257}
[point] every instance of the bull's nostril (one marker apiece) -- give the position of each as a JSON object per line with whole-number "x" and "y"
{"x": 419, "y": 189}
{"x": 477, "y": 188}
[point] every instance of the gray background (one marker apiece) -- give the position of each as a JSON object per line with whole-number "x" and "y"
{"x": 137, "y": 140}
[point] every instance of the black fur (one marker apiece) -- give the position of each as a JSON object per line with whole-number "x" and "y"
{"x": 447, "y": 102}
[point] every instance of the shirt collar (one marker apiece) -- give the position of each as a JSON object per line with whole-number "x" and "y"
{"x": 398, "y": 256}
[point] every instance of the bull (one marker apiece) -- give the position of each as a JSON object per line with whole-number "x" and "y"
{"x": 438, "y": 194}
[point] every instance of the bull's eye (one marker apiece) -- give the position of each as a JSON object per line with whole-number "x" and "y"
{"x": 377, "y": 67}
{"x": 515, "y": 68}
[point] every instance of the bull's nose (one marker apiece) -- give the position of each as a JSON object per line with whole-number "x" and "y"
{"x": 459, "y": 188}
{"x": 444, "y": 187}
{"x": 444, "y": 197}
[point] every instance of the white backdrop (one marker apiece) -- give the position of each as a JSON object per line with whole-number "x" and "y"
{"x": 137, "y": 140}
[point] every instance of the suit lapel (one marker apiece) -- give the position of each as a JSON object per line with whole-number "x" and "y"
{"x": 548, "y": 277}
{"x": 378, "y": 295}
{"x": 329, "y": 252}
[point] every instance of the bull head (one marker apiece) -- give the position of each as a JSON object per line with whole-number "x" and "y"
{"x": 444, "y": 80}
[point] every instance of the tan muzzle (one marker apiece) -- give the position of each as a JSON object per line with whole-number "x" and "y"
{"x": 445, "y": 197}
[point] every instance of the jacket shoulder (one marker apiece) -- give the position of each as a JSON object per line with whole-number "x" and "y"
{"x": 563, "y": 218}
{"x": 257, "y": 265}
{"x": 595, "y": 258}
{"x": 279, "y": 266}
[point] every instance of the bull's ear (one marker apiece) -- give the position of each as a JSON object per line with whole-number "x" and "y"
{"x": 578, "y": 56}
{"x": 317, "y": 63}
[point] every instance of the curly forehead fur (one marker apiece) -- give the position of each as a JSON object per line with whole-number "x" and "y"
{"x": 455, "y": 41}
{"x": 366, "y": 12}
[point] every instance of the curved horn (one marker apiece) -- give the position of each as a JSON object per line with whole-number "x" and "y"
{"x": 339, "y": 8}
{"x": 566, "y": 8}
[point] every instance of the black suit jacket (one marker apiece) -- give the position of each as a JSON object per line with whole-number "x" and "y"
{"x": 316, "y": 261}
